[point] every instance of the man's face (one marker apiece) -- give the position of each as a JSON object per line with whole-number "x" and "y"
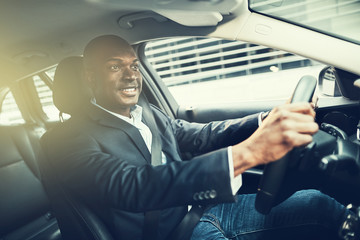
{"x": 116, "y": 79}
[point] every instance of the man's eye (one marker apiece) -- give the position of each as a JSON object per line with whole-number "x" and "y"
{"x": 135, "y": 68}
{"x": 114, "y": 68}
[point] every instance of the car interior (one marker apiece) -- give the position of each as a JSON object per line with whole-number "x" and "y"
{"x": 38, "y": 36}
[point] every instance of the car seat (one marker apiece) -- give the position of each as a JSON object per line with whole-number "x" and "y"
{"x": 75, "y": 219}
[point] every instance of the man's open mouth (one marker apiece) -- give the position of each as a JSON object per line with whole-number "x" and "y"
{"x": 128, "y": 90}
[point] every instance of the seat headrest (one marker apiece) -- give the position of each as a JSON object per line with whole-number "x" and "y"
{"x": 69, "y": 91}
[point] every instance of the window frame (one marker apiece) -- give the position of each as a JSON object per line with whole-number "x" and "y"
{"x": 154, "y": 88}
{"x": 28, "y": 100}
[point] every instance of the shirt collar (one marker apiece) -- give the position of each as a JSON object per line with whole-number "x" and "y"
{"x": 135, "y": 113}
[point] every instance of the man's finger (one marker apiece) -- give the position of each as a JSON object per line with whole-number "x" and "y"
{"x": 295, "y": 139}
{"x": 303, "y": 107}
{"x": 307, "y": 128}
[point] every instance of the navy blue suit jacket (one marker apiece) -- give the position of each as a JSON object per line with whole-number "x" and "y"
{"x": 104, "y": 161}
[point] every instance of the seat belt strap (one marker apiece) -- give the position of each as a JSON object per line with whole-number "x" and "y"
{"x": 151, "y": 221}
{"x": 150, "y": 122}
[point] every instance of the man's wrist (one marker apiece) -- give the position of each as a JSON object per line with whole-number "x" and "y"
{"x": 242, "y": 158}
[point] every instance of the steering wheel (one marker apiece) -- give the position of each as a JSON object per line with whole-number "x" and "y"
{"x": 274, "y": 172}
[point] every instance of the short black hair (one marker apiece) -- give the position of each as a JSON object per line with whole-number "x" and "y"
{"x": 96, "y": 44}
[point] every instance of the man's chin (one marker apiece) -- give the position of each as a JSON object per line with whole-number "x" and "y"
{"x": 131, "y": 103}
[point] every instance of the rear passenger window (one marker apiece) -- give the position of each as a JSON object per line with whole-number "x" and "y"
{"x": 45, "y": 96}
{"x": 51, "y": 73}
{"x": 10, "y": 113}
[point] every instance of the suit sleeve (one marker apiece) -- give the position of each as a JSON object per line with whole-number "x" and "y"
{"x": 194, "y": 139}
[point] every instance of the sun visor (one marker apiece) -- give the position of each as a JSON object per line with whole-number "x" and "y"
{"x": 185, "y": 12}
{"x": 191, "y": 18}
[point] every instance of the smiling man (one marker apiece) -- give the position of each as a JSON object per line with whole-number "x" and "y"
{"x": 105, "y": 66}
{"x": 104, "y": 155}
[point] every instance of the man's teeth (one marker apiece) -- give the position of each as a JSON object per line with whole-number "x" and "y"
{"x": 128, "y": 89}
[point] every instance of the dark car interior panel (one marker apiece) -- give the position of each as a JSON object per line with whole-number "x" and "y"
{"x": 24, "y": 207}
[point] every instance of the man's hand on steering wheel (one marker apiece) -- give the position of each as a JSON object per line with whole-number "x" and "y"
{"x": 286, "y": 127}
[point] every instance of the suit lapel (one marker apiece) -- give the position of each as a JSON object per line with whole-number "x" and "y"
{"x": 106, "y": 119}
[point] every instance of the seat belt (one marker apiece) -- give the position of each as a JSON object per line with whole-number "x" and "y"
{"x": 150, "y": 122}
{"x": 184, "y": 230}
{"x": 151, "y": 221}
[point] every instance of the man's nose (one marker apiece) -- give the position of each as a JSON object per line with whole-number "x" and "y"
{"x": 129, "y": 74}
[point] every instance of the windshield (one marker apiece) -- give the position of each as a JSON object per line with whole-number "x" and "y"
{"x": 339, "y": 18}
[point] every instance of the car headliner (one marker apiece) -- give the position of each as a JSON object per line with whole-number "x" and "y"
{"x": 38, "y": 34}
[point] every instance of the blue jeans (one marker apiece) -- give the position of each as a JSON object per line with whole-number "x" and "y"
{"x": 307, "y": 214}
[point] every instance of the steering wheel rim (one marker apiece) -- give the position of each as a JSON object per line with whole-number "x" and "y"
{"x": 274, "y": 172}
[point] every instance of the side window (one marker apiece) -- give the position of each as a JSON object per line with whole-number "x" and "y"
{"x": 45, "y": 96}
{"x": 205, "y": 70}
{"x": 10, "y": 113}
{"x": 51, "y": 73}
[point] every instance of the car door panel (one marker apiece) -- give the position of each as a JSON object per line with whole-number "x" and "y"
{"x": 218, "y": 112}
